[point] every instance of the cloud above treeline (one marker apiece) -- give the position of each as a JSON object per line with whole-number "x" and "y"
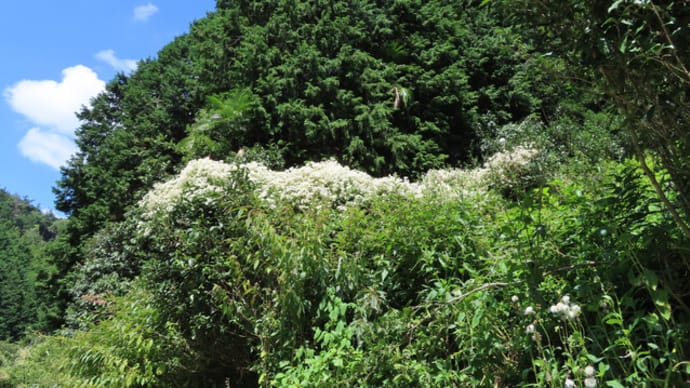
{"x": 143, "y": 13}
{"x": 52, "y": 103}
{"x": 51, "y": 106}
{"x": 109, "y": 57}
{"x": 47, "y": 147}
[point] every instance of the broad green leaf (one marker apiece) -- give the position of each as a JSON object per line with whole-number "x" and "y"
{"x": 614, "y": 384}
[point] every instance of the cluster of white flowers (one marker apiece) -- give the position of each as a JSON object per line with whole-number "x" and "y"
{"x": 531, "y": 329}
{"x": 325, "y": 183}
{"x": 198, "y": 178}
{"x": 450, "y": 183}
{"x": 328, "y": 183}
{"x": 503, "y": 169}
{"x": 590, "y": 380}
{"x": 565, "y": 309}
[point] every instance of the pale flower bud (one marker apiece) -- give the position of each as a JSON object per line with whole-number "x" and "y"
{"x": 530, "y": 328}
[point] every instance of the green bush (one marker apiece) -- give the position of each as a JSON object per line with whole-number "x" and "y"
{"x": 131, "y": 348}
{"x": 313, "y": 279}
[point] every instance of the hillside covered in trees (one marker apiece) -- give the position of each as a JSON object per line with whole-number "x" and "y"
{"x": 371, "y": 193}
{"x": 26, "y": 235}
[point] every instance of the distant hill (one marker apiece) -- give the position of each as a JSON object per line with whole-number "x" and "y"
{"x": 22, "y": 213}
{"x": 25, "y": 233}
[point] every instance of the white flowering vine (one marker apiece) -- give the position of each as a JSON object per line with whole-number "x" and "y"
{"x": 328, "y": 183}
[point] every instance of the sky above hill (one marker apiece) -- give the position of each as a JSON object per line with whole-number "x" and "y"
{"x": 56, "y": 56}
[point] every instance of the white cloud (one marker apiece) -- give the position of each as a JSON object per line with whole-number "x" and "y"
{"x": 108, "y": 56}
{"x": 47, "y": 147}
{"x": 54, "y": 104}
{"x": 142, "y": 13}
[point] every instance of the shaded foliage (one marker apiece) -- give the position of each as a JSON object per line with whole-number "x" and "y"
{"x": 635, "y": 53}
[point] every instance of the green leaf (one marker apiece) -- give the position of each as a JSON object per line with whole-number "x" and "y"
{"x": 614, "y": 384}
{"x": 651, "y": 280}
{"x": 661, "y": 301}
{"x": 594, "y": 358}
{"x": 623, "y": 45}
{"x": 614, "y": 6}
{"x": 477, "y": 318}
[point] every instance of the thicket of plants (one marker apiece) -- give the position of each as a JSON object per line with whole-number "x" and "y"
{"x": 315, "y": 228}
{"x": 340, "y": 278}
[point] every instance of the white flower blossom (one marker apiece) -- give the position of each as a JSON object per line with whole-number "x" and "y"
{"x": 199, "y": 178}
{"x": 505, "y": 168}
{"x": 569, "y": 383}
{"x": 565, "y": 309}
{"x": 589, "y": 371}
{"x": 515, "y": 299}
{"x": 529, "y": 310}
{"x": 590, "y": 382}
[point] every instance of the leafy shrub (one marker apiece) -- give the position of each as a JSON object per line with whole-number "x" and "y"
{"x": 571, "y": 144}
{"x": 41, "y": 362}
{"x": 113, "y": 261}
{"x": 250, "y": 262}
{"x": 131, "y": 348}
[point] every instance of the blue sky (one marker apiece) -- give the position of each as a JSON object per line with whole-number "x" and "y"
{"x": 56, "y": 55}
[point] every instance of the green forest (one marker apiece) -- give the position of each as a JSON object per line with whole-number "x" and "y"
{"x": 395, "y": 193}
